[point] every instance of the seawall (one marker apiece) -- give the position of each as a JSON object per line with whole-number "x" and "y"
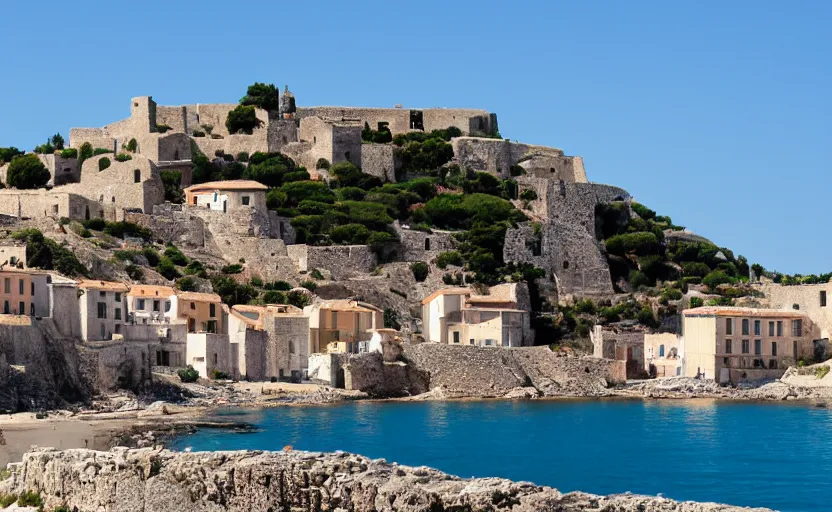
{"x": 124, "y": 480}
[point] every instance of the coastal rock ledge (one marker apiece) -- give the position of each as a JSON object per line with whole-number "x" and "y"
{"x": 149, "y": 480}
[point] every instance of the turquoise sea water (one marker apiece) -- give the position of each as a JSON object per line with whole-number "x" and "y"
{"x": 752, "y": 454}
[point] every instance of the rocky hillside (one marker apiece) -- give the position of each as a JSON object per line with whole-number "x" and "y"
{"x": 156, "y": 480}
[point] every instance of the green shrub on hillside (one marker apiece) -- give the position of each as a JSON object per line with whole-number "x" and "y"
{"x": 449, "y": 258}
{"x": 641, "y": 243}
{"x": 167, "y": 269}
{"x": 716, "y": 278}
{"x": 175, "y": 255}
{"x": 45, "y": 253}
{"x": 265, "y": 96}
{"x": 420, "y": 270}
{"x": 69, "y": 153}
{"x": 188, "y": 374}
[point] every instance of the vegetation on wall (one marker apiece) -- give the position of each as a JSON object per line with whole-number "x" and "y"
{"x": 243, "y": 119}
{"x": 27, "y": 172}
{"x": 6, "y": 154}
{"x": 265, "y": 96}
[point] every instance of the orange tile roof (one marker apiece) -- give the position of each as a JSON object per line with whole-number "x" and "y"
{"x": 227, "y": 185}
{"x": 90, "y": 284}
{"x": 738, "y": 311}
{"x": 199, "y": 297}
{"x": 146, "y": 290}
{"x": 447, "y": 291}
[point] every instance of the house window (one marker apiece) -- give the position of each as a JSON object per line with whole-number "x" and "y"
{"x": 137, "y": 176}
{"x": 167, "y": 306}
{"x": 729, "y": 326}
{"x": 211, "y": 326}
{"x": 727, "y": 346}
{"x": 661, "y": 350}
{"x": 744, "y": 346}
{"x": 118, "y": 331}
{"x": 7, "y": 285}
{"x": 471, "y": 341}
{"x": 215, "y": 197}
{"x": 212, "y": 310}
{"x": 193, "y": 305}
{"x": 103, "y": 332}
{"x": 779, "y": 328}
{"x": 140, "y": 304}
{"x": 334, "y": 319}
{"x": 117, "y": 314}
{"x": 33, "y": 289}
{"x": 32, "y": 309}
{"x": 745, "y": 326}
{"x": 771, "y": 328}
{"x": 774, "y": 348}
{"x": 757, "y": 328}
{"x": 823, "y": 298}
{"x": 21, "y": 308}
{"x": 245, "y": 200}
{"x": 797, "y": 328}
{"x": 456, "y": 336}
{"x": 758, "y": 347}
{"x": 102, "y": 294}
{"x": 21, "y": 287}
{"x": 795, "y": 306}
{"x": 102, "y": 310}
{"x": 118, "y": 296}
{"x": 156, "y": 305}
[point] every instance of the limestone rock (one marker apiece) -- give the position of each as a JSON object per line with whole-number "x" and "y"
{"x": 126, "y": 480}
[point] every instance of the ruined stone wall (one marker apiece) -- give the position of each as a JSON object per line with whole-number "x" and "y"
{"x": 370, "y": 374}
{"x": 343, "y": 261}
{"x": 251, "y": 347}
{"x": 215, "y": 115}
{"x": 42, "y": 203}
{"x": 151, "y": 480}
{"x": 464, "y": 370}
{"x": 281, "y": 227}
{"x": 175, "y": 117}
{"x": 467, "y": 120}
{"x": 117, "y": 185}
{"x": 97, "y": 137}
{"x": 380, "y": 160}
{"x": 346, "y": 145}
{"x": 173, "y": 147}
{"x": 398, "y": 119}
{"x": 118, "y": 364}
{"x": 566, "y": 168}
{"x": 334, "y": 142}
{"x": 496, "y": 156}
{"x": 287, "y": 349}
{"x": 421, "y": 246}
{"x": 171, "y": 224}
{"x": 62, "y": 170}
{"x": 281, "y": 132}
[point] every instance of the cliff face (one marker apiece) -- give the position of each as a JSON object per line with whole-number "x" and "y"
{"x": 156, "y": 480}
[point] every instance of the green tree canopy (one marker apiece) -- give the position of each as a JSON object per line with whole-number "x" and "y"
{"x": 243, "y": 119}
{"x": 27, "y": 172}
{"x": 265, "y": 96}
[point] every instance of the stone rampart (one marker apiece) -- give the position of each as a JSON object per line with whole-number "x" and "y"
{"x": 118, "y": 364}
{"x": 399, "y": 119}
{"x": 496, "y": 156}
{"x": 422, "y": 246}
{"x": 343, "y": 261}
{"x": 153, "y": 480}
{"x": 380, "y": 160}
{"x": 134, "y": 184}
{"x": 171, "y": 224}
{"x": 462, "y": 370}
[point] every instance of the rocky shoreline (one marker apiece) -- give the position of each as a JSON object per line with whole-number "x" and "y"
{"x": 155, "y": 480}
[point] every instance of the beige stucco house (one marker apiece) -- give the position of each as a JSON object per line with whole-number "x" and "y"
{"x": 461, "y": 316}
{"x": 340, "y": 325}
{"x": 225, "y": 196}
{"x": 103, "y": 308}
{"x": 731, "y": 344}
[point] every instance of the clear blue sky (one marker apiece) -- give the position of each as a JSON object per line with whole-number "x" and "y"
{"x": 715, "y": 113}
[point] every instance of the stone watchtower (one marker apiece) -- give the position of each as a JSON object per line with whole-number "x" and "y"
{"x": 143, "y": 114}
{"x": 287, "y": 104}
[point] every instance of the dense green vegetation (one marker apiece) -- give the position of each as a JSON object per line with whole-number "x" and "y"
{"x": 27, "y": 172}
{"x": 265, "y": 96}
{"x": 45, "y": 253}
{"x": 243, "y": 119}
{"x": 6, "y": 154}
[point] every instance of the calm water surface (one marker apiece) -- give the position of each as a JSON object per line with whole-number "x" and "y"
{"x": 752, "y": 454}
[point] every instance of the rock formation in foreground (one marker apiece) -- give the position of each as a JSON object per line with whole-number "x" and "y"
{"x": 160, "y": 480}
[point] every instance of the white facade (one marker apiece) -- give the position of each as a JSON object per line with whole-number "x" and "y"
{"x": 103, "y": 312}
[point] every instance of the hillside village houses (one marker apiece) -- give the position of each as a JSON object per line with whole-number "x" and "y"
{"x": 129, "y": 330}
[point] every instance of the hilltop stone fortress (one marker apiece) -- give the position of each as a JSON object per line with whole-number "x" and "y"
{"x": 560, "y": 238}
